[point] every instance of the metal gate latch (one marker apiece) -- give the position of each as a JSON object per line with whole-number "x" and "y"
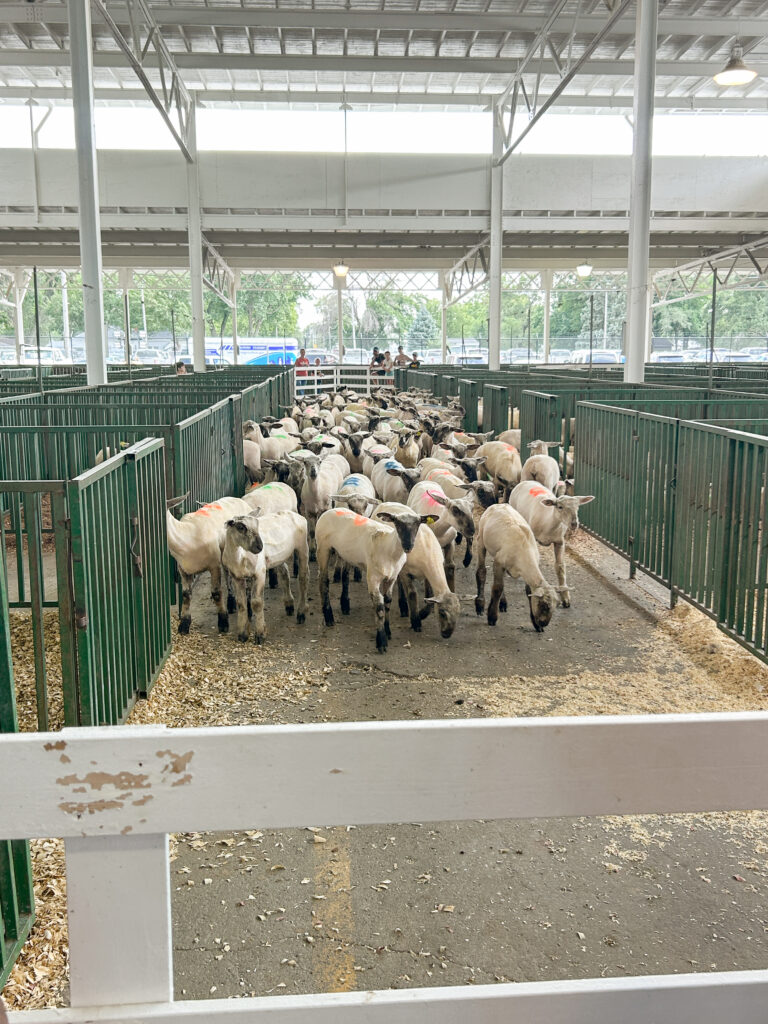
{"x": 138, "y": 565}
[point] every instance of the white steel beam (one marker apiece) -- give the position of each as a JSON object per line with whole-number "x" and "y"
{"x": 384, "y": 20}
{"x": 509, "y": 99}
{"x": 174, "y": 99}
{"x": 469, "y": 273}
{"x": 223, "y": 61}
{"x": 88, "y": 190}
{"x": 638, "y": 268}
{"x": 247, "y": 96}
{"x": 546, "y": 284}
{"x": 443, "y": 319}
{"x": 496, "y": 243}
{"x": 195, "y": 241}
{"x": 20, "y": 285}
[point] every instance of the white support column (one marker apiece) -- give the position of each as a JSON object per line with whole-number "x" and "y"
{"x": 65, "y": 317}
{"x": 144, "y": 318}
{"x": 20, "y": 285}
{"x": 638, "y": 276}
{"x": 88, "y": 188}
{"x": 494, "y": 268}
{"x": 120, "y": 943}
{"x": 443, "y": 320}
{"x": 340, "y": 318}
{"x": 235, "y": 339}
{"x": 546, "y": 285}
{"x": 195, "y": 235}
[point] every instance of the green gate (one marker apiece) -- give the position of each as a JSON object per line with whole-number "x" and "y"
{"x": 17, "y": 899}
{"x": 120, "y": 581}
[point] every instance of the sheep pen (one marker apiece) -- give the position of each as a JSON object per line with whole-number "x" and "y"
{"x": 428, "y": 903}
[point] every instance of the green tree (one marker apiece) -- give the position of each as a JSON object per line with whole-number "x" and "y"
{"x": 423, "y": 329}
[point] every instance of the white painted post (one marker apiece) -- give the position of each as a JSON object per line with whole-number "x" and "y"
{"x": 195, "y": 236}
{"x": 235, "y": 339}
{"x": 638, "y": 277}
{"x": 494, "y": 268}
{"x": 144, "y": 317}
{"x": 65, "y": 317}
{"x": 546, "y": 284}
{"x": 88, "y": 188}
{"x": 340, "y": 318}
{"x": 443, "y": 320}
{"x": 20, "y": 284}
{"x": 119, "y": 913}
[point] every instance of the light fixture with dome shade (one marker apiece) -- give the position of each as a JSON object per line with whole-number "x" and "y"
{"x": 340, "y": 269}
{"x": 735, "y": 71}
{"x": 584, "y": 270}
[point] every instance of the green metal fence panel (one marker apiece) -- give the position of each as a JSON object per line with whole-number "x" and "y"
{"x": 469, "y": 396}
{"x": 208, "y": 461}
{"x": 496, "y": 413}
{"x": 704, "y": 486}
{"x": 654, "y": 490}
{"x": 605, "y": 468}
{"x": 145, "y": 467}
{"x": 17, "y": 900}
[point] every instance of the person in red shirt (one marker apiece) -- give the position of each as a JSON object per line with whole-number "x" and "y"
{"x": 301, "y": 361}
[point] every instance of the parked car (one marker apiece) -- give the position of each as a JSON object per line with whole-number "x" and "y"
{"x": 559, "y": 355}
{"x": 48, "y": 355}
{"x": 599, "y": 355}
{"x": 667, "y": 357}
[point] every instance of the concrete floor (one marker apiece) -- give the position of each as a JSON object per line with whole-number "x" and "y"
{"x": 423, "y": 904}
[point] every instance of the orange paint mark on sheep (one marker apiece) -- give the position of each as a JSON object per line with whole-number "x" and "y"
{"x": 359, "y": 520}
{"x": 511, "y": 448}
{"x": 537, "y": 492}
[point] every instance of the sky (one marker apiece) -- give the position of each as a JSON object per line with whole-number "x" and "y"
{"x": 395, "y": 132}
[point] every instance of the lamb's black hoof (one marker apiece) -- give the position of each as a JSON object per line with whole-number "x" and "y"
{"x": 223, "y": 622}
{"x": 289, "y": 609}
{"x": 492, "y": 619}
{"x": 259, "y": 639}
{"x": 272, "y": 579}
{"x": 479, "y": 606}
{"x": 184, "y": 625}
{"x": 243, "y": 638}
{"x": 231, "y": 603}
{"x": 416, "y": 623}
{"x": 346, "y": 607}
{"x": 381, "y": 641}
{"x": 404, "y": 611}
{"x": 300, "y": 619}
{"x": 328, "y": 614}
{"x": 503, "y": 604}
{"x": 467, "y": 559}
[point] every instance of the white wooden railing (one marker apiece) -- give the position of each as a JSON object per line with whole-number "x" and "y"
{"x": 313, "y": 380}
{"x": 114, "y": 794}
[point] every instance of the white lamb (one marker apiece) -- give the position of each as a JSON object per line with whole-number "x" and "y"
{"x": 509, "y": 540}
{"x": 253, "y": 544}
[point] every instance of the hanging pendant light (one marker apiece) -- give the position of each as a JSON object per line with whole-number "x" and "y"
{"x": 735, "y": 71}
{"x": 340, "y": 269}
{"x": 584, "y": 270}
